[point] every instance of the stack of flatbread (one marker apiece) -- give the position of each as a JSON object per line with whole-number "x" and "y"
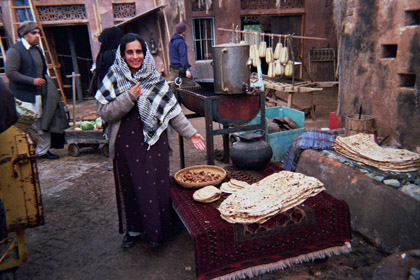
{"x": 207, "y": 194}
{"x": 362, "y": 148}
{"x": 233, "y": 185}
{"x": 270, "y": 196}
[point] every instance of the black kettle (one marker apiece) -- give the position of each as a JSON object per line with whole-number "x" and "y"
{"x": 250, "y": 151}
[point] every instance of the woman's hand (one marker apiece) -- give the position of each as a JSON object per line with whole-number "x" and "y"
{"x": 198, "y": 142}
{"x": 136, "y": 90}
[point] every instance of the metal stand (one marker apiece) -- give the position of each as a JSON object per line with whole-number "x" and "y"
{"x": 210, "y": 104}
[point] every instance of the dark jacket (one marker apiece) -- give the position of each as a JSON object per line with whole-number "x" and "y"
{"x": 54, "y": 117}
{"x": 25, "y": 91}
{"x": 8, "y": 115}
{"x": 178, "y": 53}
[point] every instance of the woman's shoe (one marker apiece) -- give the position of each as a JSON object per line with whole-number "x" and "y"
{"x": 129, "y": 241}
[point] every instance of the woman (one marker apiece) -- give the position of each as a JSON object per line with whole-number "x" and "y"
{"x": 110, "y": 39}
{"x": 138, "y": 105}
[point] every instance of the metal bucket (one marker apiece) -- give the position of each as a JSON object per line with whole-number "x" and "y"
{"x": 231, "y": 74}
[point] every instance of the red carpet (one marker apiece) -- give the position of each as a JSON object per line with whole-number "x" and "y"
{"x": 317, "y": 228}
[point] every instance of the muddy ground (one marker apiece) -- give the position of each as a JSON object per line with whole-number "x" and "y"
{"x": 80, "y": 238}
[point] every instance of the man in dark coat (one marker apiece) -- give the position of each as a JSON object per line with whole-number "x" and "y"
{"x": 178, "y": 56}
{"x": 26, "y": 69}
{"x": 8, "y": 115}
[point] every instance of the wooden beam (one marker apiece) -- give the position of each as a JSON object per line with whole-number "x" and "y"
{"x": 326, "y": 84}
{"x": 278, "y": 102}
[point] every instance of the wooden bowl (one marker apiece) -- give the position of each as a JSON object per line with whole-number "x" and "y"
{"x": 198, "y": 168}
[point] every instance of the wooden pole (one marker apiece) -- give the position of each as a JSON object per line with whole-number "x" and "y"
{"x": 98, "y": 20}
{"x": 165, "y": 62}
{"x": 271, "y": 34}
{"x": 166, "y": 24}
{"x": 73, "y": 85}
{"x": 74, "y": 63}
{"x": 290, "y": 45}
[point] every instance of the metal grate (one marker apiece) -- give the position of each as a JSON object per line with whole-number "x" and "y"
{"x": 124, "y": 10}
{"x": 324, "y": 54}
{"x": 198, "y": 90}
{"x": 323, "y": 58}
{"x": 56, "y": 13}
{"x": 270, "y": 4}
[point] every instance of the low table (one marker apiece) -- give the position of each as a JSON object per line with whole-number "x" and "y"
{"x": 317, "y": 228}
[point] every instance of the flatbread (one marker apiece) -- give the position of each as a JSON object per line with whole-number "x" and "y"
{"x": 226, "y": 188}
{"x": 272, "y": 195}
{"x": 207, "y": 194}
{"x": 363, "y": 149}
{"x": 239, "y": 183}
{"x": 233, "y": 185}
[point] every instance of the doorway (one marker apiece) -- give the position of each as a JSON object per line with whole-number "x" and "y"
{"x": 70, "y": 47}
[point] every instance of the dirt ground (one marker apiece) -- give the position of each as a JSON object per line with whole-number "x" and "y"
{"x": 80, "y": 238}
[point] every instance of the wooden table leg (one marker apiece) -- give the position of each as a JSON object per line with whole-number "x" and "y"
{"x": 312, "y": 109}
{"x": 289, "y": 100}
{"x": 270, "y": 93}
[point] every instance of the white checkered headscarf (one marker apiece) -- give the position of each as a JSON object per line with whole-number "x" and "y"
{"x": 157, "y": 104}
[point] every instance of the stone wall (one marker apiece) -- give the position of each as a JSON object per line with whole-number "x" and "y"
{"x": 385, "y": 216}
{"x": 379, "y": 58}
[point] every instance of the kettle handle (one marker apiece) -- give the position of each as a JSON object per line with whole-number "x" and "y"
{"x": 221, "y": 71}
{"x": 262, "y": 132}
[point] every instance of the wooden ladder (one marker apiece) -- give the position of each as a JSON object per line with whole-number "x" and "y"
{"x": 27, "y": 11}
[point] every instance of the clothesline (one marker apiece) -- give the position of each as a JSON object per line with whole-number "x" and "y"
{"x": 271, "y": 34}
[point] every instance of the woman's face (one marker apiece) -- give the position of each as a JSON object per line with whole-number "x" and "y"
{"x": 134, "y": 55}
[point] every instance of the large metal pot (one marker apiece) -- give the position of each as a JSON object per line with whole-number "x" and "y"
{"x": 231, "y": 74}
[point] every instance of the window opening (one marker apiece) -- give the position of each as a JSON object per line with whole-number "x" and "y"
{"x": 203, "y": 37}
{"x": 124, "y": 10}
{"x": 412, "y": 17}
{"x": 24, "y": 13}
{"x": 407, "y": 80}
{"x": 251, "y": 24}
{"x": 389, "y": 51}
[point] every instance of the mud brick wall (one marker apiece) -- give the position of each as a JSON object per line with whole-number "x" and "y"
{"x": 380, "y": 64}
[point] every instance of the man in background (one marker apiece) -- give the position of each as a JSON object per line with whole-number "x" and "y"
{"x": 26, "y": 69}
{"x": 178, "y": 56}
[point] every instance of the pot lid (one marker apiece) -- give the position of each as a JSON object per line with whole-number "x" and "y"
{"x": 249, "y": 137}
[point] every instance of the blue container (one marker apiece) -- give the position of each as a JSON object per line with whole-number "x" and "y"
{"x": 281, "y": 141}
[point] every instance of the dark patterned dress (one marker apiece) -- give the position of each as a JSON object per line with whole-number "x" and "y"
{"x": 142, "y": 180}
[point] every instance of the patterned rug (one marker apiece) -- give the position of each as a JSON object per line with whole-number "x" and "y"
{"x": 317, "y": 228}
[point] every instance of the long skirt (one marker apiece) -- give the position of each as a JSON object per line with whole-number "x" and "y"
{"x": 142, "y": 180}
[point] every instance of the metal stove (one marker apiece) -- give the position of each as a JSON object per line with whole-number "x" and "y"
{"x": 233, "y": 111}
